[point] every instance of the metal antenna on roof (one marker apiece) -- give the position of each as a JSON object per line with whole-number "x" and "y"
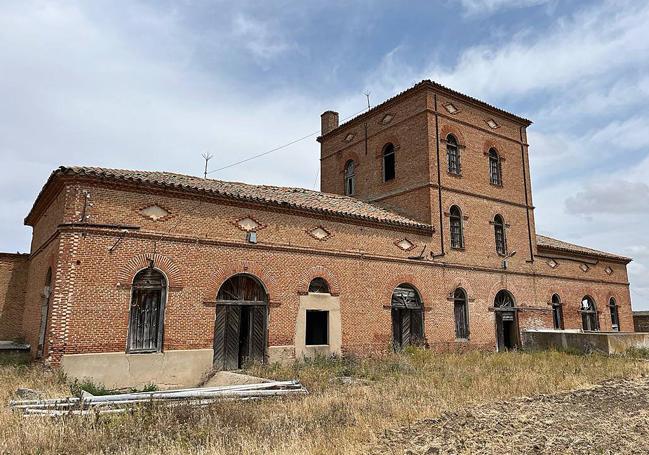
{"x": 367, "y": 95}
{"x": 206, "y": 156}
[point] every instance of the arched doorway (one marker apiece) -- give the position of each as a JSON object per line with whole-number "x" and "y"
{"x": 506, "y": 321}
{"x": 240, "y": 330}
{"x": 146, "y": 314}
{"x": 407, "y": 317}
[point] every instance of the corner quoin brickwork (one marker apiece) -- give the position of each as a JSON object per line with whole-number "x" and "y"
{"x": 88, "y": 230}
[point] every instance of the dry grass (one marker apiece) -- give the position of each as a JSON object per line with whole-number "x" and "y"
{"x": 335, "y": 418}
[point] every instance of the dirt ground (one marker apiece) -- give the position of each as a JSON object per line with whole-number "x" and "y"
{"x": 610, "y": 418}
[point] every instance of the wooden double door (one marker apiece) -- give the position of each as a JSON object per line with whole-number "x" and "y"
{"x": 241, "y": 324}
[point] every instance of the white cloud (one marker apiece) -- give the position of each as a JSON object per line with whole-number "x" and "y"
{"x": 612, "y": 197}
{"x": 259, "y": 38}
{"x": 485, "y": 7}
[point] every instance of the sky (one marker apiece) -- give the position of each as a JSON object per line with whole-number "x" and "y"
{"x": 154, "y": 84}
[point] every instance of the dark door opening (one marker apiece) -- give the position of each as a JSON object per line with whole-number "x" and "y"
{"x": 506, "y": 322}
{"x": 241, "y": 323}
{"x": 407, "y": 318}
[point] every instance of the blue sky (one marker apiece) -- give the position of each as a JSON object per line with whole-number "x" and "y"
{"x": 153, "y": 84}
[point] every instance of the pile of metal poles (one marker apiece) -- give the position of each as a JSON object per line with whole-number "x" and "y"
{"x": 110, "y": 404}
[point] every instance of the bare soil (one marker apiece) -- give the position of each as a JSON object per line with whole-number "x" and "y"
{"x": 610, "y": 418}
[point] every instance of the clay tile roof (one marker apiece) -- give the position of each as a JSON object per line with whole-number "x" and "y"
{"x": 296, "y": 198}
{"x": 549, "y": 243}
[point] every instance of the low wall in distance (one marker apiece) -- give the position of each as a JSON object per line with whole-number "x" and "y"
{"x": 604, "y": 342}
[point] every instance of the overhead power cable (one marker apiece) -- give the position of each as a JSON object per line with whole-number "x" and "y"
{"x": 288, "y": 144}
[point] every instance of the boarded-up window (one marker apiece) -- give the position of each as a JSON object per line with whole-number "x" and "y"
{"x": 461, "y": 314}
{"x": 147, "y": 311}
{"x": 45, "y": 307}
{"x": 317, "y": 327}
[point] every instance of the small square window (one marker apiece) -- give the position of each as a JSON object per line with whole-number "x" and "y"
{"x": 387, "y": 118}
{"x": 584, "y": 267}
{"x": 317, "y": 327}
{"x": 553, "y": 264}
{"x": 492, "y": 123}
{"x": 349, "y": 137}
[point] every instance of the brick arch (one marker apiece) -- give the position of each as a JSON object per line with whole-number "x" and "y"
{"x": 165, "y": 264}
{"x": 491, "y": 144}
{"x": 315, "y": 272}
{"x": 242, "y": 267}
{"x": 403, "y": 279}
{"x": 391, "y": 138}
{"x": 499, "y": 286}
{"x": 347, "y": 156}
{"x": 452, "y": 129}
{"x": 460, "y": 282}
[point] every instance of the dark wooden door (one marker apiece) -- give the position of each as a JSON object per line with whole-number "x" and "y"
{"x": 226, "y": 337}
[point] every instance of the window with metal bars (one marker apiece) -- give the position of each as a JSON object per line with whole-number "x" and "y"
{"x": 350, "y": 178}
{"x": 615, "y": 316}
{"x": 461, "y": 311}
{"x": 457, "y": 234}
{"x": 495, "y": 171}
{"x": 147, "y": 311}
{"x": 389, "y": 171}
{"x": 499, "y": 231}
{"x": 453, "y": 154}
{"x": 557, "y": 312}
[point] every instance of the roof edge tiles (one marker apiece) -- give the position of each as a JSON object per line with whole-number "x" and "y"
{"x": 550, "y": 243}
{"x": 287, "y": 197}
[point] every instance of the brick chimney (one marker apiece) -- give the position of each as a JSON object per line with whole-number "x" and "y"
{"x": 328, "y": 122}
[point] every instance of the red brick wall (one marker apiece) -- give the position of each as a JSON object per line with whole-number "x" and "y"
{"x": 199, "y": 246}
{"x": 13, "y": 285}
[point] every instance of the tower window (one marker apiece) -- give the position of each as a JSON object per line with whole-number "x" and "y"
{"x": 388, "y": 162}
{"x": 495, "y": 171}
{"x": 499, "y": 232}
{"x": 453, "y": 154}
{"x": 457, "y": 234}
{"x": 350, "y": 178}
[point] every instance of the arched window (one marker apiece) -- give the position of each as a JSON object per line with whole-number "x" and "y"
{"x": 147, "y": 311}
{"x": 557, "y": 312}
{"x": 589, "y": 319}
{"x": 461, "y": 311}
{"x": 615, "y": 316}
{"x": 407, "y": 317}
{"x": 319, "y": 285}
{"x": 350, "y": 178}
{"x": 457, "y": 232}
{"x": 453, "y": 154}
{"x": 499, "y": 232}
{"x": 388, "y": 162}
{"x": 495, "y": 172}
{"x": 45, "y": 309}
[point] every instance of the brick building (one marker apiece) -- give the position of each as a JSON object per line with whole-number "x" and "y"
{"x": 423, "y": 233}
